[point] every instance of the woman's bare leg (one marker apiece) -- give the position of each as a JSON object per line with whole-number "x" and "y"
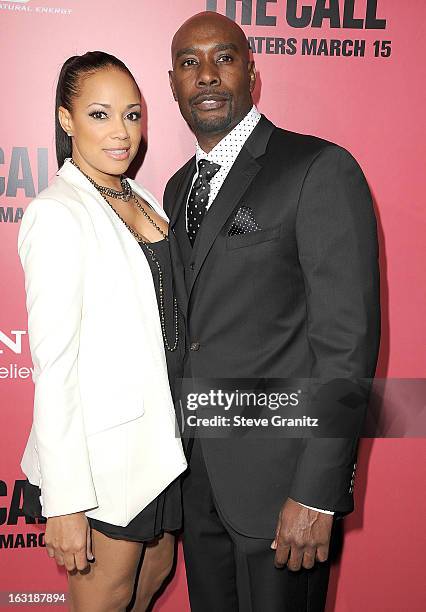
{"x": 156, "y": 566}
{"x": 107, "y": 585}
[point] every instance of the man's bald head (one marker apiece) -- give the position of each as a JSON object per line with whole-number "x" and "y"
{"x": 213, "y": 75}
{"x": 209, "y": 22}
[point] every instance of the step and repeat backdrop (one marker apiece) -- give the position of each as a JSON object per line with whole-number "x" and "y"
{"x": 348, "y": 71}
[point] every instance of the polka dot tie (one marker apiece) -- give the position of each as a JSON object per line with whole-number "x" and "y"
{"x": 199, "y": 197}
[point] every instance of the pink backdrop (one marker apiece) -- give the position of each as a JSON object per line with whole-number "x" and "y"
{"x": 371, "y": 105}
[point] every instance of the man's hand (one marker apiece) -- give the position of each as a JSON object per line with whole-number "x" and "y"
{"x": 302, "y": 536}
{"x": 68, "y": 540}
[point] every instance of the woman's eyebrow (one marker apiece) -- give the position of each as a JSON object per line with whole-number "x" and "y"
{"x": 109, "y": 105}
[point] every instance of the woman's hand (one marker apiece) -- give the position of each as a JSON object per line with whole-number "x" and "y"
{"x": 67, "y": 540}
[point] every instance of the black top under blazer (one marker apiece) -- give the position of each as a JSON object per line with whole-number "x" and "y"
{"x": 298, "y": 298}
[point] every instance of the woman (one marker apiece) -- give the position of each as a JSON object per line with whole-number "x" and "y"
{"x": 102, "y": 459}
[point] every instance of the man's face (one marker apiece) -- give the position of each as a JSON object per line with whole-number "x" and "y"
{"x": 212, "y": 77}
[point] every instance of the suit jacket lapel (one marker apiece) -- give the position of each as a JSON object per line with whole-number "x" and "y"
{"x": 182, "y": 189}
{"x": 180, "y": 194}
{"x": 235, "y": 185}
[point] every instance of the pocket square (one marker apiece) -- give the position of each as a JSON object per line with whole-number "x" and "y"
{"x": 244, "y": 222}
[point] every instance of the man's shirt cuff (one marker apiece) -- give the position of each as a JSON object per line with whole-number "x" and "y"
{"x": 317, "y": 509}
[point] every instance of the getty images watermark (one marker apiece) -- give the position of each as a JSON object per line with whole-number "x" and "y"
{"x": 302, "y": 408}
{"x": 230, "y": 401}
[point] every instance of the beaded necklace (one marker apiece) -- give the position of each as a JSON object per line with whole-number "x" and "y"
{"x": 126, "y": 195}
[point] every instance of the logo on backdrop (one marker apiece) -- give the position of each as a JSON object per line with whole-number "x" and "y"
{"x": 297, "y": 14}
{"x": 14, "y": 521}
{"x": 11, "y": 343}
{"x": 23, "y": 6}
{"x": 19, "y": 178}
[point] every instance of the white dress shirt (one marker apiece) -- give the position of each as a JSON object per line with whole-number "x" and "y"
{"x": 225, "y": 153}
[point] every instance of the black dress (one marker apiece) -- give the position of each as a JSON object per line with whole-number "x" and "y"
{"x": 164, "y": 513}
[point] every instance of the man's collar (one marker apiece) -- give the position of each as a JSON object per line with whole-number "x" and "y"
{"x": 253, "y": 116}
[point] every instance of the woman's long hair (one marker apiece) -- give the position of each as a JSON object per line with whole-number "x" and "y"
{"x": 68, "y": 86}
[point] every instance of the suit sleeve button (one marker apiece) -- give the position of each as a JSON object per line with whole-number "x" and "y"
{"x": 194, "y": 346}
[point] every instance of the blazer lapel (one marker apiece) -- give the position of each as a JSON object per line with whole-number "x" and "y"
{"x": 182, "y": 190}
{"x": 138, "y": 265}
{"x": 235, "y": 185}
{"x": 187, "y": 173}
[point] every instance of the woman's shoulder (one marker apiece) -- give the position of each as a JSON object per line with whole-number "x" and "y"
{"x": 58, "y": 208}
{"x": 60, "y": 198}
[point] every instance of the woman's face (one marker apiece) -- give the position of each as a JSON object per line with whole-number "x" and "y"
{"x": 105, "y": 123}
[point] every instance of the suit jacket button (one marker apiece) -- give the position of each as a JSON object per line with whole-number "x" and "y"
{"x": 194, "y": 346}
{"x": 192, "y": 265}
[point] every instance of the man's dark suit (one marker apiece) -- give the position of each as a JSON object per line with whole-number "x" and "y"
{"x": 298, "y": 298}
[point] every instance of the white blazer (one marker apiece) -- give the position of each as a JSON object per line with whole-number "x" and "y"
{"x": 103, "y": 438}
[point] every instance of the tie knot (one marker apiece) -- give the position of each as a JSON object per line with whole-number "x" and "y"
{"x": 207, "y": 169}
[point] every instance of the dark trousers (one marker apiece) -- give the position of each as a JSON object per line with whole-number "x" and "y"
{"x": 230, "y": 572}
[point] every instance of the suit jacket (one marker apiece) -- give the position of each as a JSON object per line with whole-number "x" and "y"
{"x": 103, "y": 435}
{"x": 298, "y": 298}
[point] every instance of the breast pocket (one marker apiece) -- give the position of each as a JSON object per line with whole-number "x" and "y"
{"x": 252, "y": 238}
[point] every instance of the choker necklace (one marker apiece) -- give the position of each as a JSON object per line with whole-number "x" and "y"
{"x": 124, "y": 195}
{"x": 106, "y": 191}
{"x": 126, "y": 191}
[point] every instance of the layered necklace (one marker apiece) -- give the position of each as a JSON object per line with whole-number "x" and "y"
{"x": 127, "y": 195}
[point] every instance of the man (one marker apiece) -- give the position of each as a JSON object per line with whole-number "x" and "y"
{"x": 273, "y": 239}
